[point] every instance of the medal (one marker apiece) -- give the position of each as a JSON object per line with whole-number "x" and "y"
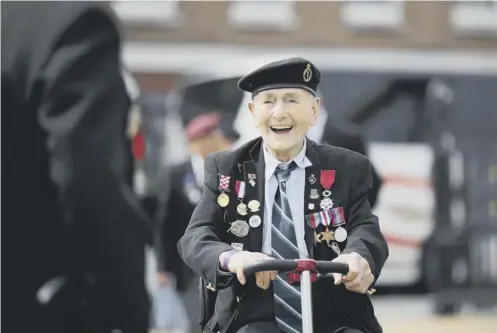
{"x": 327, "y": 235}
{"x": 242, "y": 209}
{"x": 255, "y": 221}
{"x": 239, "y": 228}
{"x": 223, "y": 200}
{"x": 340, "y": 234}
{"x": 326, "y": 203}
{"x": 327, "y": 180}
{"x": 254, "y": 205}
{"x": 314, "y": 194}
{"x": 224, "y": 182}
{"x": 240, "y": 191}
{"x": 312, "y": 179}
{"x": 317, "y": 238}
{"x": 311, "y": 206}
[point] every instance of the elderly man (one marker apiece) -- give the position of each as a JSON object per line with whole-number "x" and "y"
{"x": 284, "y": 196}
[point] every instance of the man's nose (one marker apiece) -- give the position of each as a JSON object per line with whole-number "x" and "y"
{"x": 279, "y": 111}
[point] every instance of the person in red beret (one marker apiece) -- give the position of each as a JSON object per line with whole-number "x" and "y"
{"x": 205, "y": 134}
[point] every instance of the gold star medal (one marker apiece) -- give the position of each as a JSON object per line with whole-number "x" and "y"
{"x": 328, "y": 235}
{"x": 317, "y": 237}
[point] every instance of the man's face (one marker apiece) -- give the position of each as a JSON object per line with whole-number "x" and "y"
{"x": 283, "y": 116}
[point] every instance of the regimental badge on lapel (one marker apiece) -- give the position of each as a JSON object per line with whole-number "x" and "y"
{"x": 252, "y": 178}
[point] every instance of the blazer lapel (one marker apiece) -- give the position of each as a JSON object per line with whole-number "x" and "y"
{"x": 311, "y": 194}
{"x": 255, "y": 190}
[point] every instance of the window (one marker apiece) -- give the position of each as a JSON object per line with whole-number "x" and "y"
{"x": 373, "y": 14}
{"x": 263, "y": 15}
{"x": 148, "y": 13}
{"x": 474, "y": 17}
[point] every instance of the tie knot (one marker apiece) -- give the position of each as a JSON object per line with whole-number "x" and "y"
{"x": 282, "y": 172}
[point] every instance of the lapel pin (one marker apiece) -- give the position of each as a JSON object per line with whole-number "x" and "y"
{"x": 312, "y": 179}
{"x": 311, "y": 206}
{"x": 251, "y": 177}
{"x": 314, "y": 194}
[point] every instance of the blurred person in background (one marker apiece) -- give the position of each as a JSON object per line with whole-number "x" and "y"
{"x": 73, "y": 231}
{"x": 205, "y": 134}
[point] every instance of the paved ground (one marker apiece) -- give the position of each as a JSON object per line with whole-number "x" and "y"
{"x": 408, "y": 314}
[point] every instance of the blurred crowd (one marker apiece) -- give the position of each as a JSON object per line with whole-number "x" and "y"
{"x": 100, "y": 179}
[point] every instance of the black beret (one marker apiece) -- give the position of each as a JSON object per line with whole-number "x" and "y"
{"x": 288, "y": 73}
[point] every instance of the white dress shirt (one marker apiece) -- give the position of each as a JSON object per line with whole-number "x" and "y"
{"x": 295, "y": 190}
{"x": 198, "y": 169}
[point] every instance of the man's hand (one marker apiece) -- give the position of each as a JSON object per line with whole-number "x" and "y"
{"x": 240, "y": 259}
{"x": 359, "y": 277}
{"x": 164, "y": 278}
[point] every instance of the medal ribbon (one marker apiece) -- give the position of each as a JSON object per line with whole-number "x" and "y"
{"x": 327, "y": 179}
{"x": 224, "y": 182}
{"x": 240, "y": 189}
{"x": 337, "y": 216}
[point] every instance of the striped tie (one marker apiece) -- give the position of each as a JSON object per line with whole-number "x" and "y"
{"x": 284, "y": 246}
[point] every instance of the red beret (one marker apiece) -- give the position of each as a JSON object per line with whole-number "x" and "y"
{"x": 202, "y": 125}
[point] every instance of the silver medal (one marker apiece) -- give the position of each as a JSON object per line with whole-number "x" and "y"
{"x": 312, "y": 179}
{"x": 239, "y": 228}
{"x": 255, "y": 221}
{"x": 326, "y": 203}
{"x": 340, "y": 234}
{"x": 314, "y": 194}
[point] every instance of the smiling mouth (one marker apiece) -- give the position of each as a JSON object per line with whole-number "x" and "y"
{"x": 281, "y": 129}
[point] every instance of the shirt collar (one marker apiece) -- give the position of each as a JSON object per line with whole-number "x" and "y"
{"x": 272, "y": 163}
{"x": 198, "y": 168}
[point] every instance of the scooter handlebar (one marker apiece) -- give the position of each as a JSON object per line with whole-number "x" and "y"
{"x": 298, "y": 266}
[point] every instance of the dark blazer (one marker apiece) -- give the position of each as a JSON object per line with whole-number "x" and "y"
{"x": 340, "y": 133}
{"x": 184, "y": 194}
{"x": 207, "y": 237}
{"x": 67, "y": 209}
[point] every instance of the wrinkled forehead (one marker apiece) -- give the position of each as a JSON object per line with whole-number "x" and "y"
{"x": 283, "y": 93}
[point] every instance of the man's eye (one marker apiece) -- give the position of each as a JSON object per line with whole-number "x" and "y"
{"x": 292, "y": 101}
{"x": 268, "y": 102}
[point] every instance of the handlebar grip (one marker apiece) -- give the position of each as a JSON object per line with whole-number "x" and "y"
{"x": 270, "y": 265}
{"x": 332, "y": 267}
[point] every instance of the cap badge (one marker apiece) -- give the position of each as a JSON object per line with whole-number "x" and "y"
{"x": 307, "y": 75}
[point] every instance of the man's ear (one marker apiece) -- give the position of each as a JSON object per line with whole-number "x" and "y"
{"x": 251, "y": 107}
{"x": 315, "y": 110}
